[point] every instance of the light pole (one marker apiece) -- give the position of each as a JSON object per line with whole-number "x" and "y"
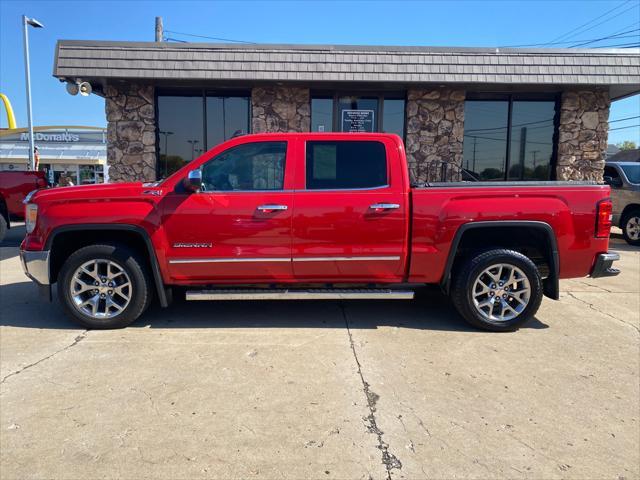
{"x": 193, "y": 146}
{"x": 36, "y": 24}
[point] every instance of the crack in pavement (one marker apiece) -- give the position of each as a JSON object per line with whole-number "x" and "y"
{"x": 77, "y": 340}
{"x": 592, "y": 307}
{"x": 389, "y": 460}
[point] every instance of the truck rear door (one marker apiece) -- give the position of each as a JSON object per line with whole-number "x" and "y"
{"x": 350, "y": 219}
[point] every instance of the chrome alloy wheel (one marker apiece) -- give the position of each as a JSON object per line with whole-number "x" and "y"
{"x": 501, "y": 292}
{"x": 633, "y": 228}
{"x": 100, "y": 289}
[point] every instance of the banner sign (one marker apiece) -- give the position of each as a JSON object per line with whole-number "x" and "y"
{"x": 357, "y": 121}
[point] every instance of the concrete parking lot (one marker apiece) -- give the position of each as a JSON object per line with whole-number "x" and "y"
{"x": 323, "y": 389}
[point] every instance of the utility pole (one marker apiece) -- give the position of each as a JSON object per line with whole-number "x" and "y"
{"x": 159, "y": 29}
{"x": 475, "y": 139}
{"x": 534, "y": 153}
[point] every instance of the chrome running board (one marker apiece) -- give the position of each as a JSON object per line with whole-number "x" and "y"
{"x": 308, "y": 294}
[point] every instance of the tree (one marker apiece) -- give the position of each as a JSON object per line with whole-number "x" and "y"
{"x": 627, "y": 145}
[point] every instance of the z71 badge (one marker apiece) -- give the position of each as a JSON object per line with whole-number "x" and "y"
{"x": 192, "y": 245}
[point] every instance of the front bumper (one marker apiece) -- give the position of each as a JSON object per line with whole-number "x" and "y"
{"x": 603, "y": 267}
{"x": 36, "y": 266}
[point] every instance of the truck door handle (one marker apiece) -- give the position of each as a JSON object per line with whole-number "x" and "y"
{"x": 272, "y": 208}
{"x": 379, "y": 207}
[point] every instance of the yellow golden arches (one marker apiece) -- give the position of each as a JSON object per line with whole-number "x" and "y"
{"x": 11, "y": 119}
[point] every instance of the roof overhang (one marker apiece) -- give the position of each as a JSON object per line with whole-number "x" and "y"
{"x": 162, "y": 63}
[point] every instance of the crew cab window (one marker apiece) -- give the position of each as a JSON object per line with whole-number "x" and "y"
{"x": 252, "y": 166}
{"x": 333, "y": 165}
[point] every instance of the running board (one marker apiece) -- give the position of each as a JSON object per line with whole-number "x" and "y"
{"x": 309, "y": 294}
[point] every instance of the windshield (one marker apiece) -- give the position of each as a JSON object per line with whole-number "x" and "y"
{"x": 632, "y": 172}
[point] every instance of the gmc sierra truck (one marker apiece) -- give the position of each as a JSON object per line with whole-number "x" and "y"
{"x": 14, "y": 187}
{"x": 313, "y": 216}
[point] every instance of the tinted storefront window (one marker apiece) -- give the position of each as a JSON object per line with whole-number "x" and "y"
{"x": 191, "y": 124}
{"x": 357, "y": 114}
{"x": 508, "y": 139}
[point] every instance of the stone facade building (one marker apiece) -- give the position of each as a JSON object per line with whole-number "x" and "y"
{"x": 464, "y": 113}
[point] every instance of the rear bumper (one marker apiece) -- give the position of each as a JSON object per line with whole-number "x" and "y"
{"x": 36, "y": 265}
{"x": 603, "y": 267}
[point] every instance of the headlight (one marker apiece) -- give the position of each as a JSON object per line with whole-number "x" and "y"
{"x": 31, "y": 216}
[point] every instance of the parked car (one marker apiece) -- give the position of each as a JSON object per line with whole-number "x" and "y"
{"x": 14, "y": 187}
{"x": 314, "y": 216}
{"x": 624, "y": 179}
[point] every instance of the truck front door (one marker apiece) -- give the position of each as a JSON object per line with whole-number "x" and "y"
{"x": 350, "y": 219}
{"x": 238, "y": 228}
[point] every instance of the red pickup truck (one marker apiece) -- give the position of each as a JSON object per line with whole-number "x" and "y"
{"x": 313, "y": 216}
{"x": 14, "y": 187}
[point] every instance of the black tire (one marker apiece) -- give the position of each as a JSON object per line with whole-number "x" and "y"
{"x": 631, "y": 216}
{"x": 3, "y": 227}
{"x": 130, "y": 262}
{"x": 464, "y": 281}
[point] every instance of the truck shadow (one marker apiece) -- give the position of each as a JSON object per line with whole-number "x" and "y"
{"x": 429, "y": 311}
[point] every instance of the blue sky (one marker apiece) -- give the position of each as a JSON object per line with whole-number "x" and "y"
{"x": 446, "y": 23}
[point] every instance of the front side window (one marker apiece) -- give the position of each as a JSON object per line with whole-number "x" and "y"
{"x": 509, "y": 139}
{"x": 334, "y": 165}
{"x": 252, "y": 166}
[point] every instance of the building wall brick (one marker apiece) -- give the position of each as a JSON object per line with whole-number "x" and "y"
{"x": 131, "y": 133}
{"x": 434, "y": 133}
{"x": 583, "y": 131}
{"x": 280, "y": 109}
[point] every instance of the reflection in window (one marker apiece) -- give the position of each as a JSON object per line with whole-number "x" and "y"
{"x": 180, "y": 131}
{"x": 227, "y": 117}
{"x": 531, "y": 140}
{"x": 345, "y": 165}
{"x": 393, "y": 116}
{"x": 252, "y": 166}
{"x": 487, "y": 128}
{"x": 181, "y": 126}
{"x": 485, "y": 139}
{"x": 322, "y": 114}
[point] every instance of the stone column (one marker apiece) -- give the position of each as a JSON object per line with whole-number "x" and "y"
{"x": 131, "y": 133}
{"x": 280, "y": 109}
{"x": 434, "y": 133}
{"x": 583, "y": 131}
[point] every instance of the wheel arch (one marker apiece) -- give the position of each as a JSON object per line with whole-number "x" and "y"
{"x": 111, "y": 232}
{"x": 469, "y": 231}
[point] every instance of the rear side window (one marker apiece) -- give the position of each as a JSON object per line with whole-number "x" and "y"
{"x": 335, "y": 165}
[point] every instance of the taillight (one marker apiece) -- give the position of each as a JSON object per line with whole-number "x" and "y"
{"x": 604, "y": 210}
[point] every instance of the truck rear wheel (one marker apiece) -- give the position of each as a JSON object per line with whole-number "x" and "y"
{"x": 498, "y": 290}
{"x": 104, "y": 286}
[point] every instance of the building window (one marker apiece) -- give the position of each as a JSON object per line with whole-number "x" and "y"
{"x": 190, "y": 123}
{"x": 358, "y": 113}
{"x": 252, "y": 166}
{"x": 345, "y": 165}
{"x": 509, "y": 139}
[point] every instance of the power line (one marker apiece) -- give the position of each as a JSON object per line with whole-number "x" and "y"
{"x": 620, "y": 35}
{"x": 589, "y": 22}
{"x": 604, "y": 21}
{"x": 617, "y": 35}
{"x": 209, "y": 38}
{"x": 623, "y": 119}
{"x": 622, "y": 128}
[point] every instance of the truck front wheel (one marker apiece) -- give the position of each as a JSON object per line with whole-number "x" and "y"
{"x": 104, "y": 286}
{"x": 498, "y": 290}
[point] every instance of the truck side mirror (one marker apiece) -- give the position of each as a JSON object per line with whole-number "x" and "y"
{"x": 193, "y": 182}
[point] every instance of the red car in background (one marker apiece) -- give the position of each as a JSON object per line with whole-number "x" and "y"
{"x": 14, "y": 187}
